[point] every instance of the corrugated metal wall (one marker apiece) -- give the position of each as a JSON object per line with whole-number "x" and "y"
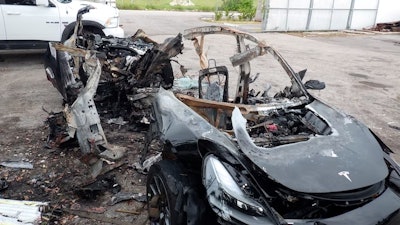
{"x": 303, "y": 15}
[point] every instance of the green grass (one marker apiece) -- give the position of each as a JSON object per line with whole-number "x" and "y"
{"x": 200, "y": 5}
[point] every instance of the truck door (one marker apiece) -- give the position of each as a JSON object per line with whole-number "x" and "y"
{"x": 2, "y": 28}
{"x": 24, "y": 20}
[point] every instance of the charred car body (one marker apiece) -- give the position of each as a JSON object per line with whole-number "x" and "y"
{"x": 270, "y": 154}
{"x": 255, "y": 158}
{"x": 115, "y": 75}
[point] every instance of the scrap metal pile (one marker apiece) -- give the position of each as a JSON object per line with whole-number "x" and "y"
{"x": 130, "y": 67}
{"x": 391, "y": 26}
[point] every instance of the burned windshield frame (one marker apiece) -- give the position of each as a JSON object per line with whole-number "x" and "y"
{"x": 245, "y": 55}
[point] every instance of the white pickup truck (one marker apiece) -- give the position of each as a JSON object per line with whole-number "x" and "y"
{"x": 30, "y": 24}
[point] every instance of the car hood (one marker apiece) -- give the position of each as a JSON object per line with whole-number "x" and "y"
{"x": 347, "y": 159}
{"x": 100, "y": 10}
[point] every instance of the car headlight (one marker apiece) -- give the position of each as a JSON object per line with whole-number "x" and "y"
{"x": 394, "y": 176}
{"x": 225, "y": 195}
{"x": 112, "y": 22}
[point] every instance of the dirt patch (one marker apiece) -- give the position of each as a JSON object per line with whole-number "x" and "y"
{"x": 57, "y": 174}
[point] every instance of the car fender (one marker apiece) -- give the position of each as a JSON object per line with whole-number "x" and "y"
{"x": 206, "y": 146}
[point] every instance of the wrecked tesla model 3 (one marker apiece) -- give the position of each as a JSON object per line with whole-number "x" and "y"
{"x": 270, "y": 153}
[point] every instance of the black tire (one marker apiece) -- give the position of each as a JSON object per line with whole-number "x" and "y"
{"x": 176, "y": 197}
{"x": 165, "y": 182}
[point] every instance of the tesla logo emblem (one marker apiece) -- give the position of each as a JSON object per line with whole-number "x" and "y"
{"x": 345, "y": 174}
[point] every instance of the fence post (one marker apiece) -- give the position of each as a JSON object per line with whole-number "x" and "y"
{"x": 350, "y": 17}
{"x": 265, "y": 16}
{"x": 310, "y": 10}
{"x": 376, "y": 13}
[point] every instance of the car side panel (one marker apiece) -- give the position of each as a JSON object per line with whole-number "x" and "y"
{"x": 22, "y": 22}
{"x": 2, "y": 28}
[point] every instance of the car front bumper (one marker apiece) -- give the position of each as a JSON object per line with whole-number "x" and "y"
{"x": 382, "y": 210}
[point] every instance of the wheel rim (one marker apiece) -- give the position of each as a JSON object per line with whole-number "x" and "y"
{"x": 157, "y": 191}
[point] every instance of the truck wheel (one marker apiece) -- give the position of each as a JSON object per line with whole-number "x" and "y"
{"x": 86, "y": 30}
{"x": 165, "y": 185}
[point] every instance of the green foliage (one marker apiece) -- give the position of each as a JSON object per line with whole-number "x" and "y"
{"x": 200, "y": 5}
{"x": 244, "y": 7}
{"x": 218, "y": 15}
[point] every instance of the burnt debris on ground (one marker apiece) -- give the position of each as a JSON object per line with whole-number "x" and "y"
{"x": 388, "y": 27}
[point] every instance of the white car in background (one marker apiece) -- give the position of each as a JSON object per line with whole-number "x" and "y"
{"x": 30, "y": 24}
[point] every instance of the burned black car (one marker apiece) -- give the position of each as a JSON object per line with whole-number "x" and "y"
{"x": 269, "y": 153}
{"x": 262, "y": 150}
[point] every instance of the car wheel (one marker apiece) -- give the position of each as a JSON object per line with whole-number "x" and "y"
{"x": 165, "y": 182}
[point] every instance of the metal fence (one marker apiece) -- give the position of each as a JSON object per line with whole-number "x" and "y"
{"x": 308, "y": 15}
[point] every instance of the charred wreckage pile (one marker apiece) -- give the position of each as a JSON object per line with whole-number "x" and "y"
{"x": 256, "y": 158}
{"x": 115, "y": 76}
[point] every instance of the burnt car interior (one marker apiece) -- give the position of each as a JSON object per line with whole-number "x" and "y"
{"x": 265, "y": 113}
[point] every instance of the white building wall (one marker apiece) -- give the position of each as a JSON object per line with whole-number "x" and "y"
{"x": 298, "y": 15}
{"x": 388, "y": 11}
